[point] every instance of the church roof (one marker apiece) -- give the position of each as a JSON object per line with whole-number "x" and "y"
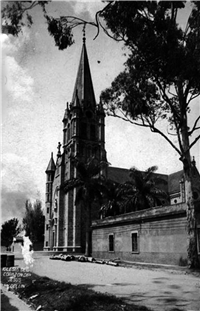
{"x": 167, "y": 183}
{"x": 51, "y": 166}
{"x": 117, "y": 174}
{"x": 83, "y": 91}
{"x": 174, "y": 181}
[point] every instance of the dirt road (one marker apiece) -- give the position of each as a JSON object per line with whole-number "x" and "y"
{"x": 155, "y": 288}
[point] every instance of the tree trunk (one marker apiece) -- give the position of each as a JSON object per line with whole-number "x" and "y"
{"x": 191, "y": 220}
{"x": 191, "y": 214}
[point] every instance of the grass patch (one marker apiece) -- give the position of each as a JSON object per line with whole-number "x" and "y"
{"x": 52, "y": 295}
{"x": 45, "y": 294}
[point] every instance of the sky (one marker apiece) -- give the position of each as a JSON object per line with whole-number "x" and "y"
{"x": 37, "y": 81}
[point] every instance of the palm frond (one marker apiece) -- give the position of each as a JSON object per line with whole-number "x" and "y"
{"x": 72, "y": 183}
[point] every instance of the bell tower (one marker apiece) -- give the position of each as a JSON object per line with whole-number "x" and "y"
{"x": 83, "y": 138}
{"x": 83, "y": 131}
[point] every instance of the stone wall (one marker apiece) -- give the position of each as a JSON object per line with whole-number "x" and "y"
{"x": 160, "y": 233}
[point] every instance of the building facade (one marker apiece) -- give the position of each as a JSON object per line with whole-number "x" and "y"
{"x": 156, "y": 235}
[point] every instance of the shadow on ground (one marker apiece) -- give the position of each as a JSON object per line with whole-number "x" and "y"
{"x": 132, "y": 298}
{"x": 5, "y": 304}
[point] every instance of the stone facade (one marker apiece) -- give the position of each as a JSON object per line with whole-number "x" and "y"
{"x": 157, "y": 235}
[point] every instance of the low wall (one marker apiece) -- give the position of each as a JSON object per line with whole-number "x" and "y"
{"x": 161, "y": 236}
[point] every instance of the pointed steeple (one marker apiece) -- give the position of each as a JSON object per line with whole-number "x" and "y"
{"x": 83, "y": 90}
{"x": 51, "y": 166}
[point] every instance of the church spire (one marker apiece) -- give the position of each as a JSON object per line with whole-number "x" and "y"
{"x": 51, "y": 166}
{"x": 83, "y": 90}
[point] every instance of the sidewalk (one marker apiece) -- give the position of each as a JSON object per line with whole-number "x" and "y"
{"x": 10, "y": 302}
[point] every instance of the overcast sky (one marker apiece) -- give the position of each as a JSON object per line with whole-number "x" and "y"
{"x": 38, "y": 80}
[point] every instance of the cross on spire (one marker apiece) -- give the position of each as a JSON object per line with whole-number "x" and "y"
{"x": 84, "y": 33}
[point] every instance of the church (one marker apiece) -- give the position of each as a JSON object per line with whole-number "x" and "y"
{"x": 153, "y": 235}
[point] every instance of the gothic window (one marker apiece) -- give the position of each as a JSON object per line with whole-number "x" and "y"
{"x": 99, "y": 132}
{"x": 92, "y": 132}
{"x": 74, "y": 127}
{"x": 65, "y": 137}
{"x": 84, "y": 130}
{"x": 77, "y": 149}
{"x": 88, "y": 151}
{"x": 47, "y": 210}
{"x": 48, "y": 187}
{"x": 68, "y": 132}
{"x": 49, "y": 178}
{"x": 66, "y": 170}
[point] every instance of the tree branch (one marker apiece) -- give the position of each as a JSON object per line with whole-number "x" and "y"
{"x": 149, "y": 125}
{"x": 194, "y": 126}
{"x": 125, "y": 118}
{"x": 192, "y": 97}
{"x": 193, "y": 143}
{"x": 156, "y": 130}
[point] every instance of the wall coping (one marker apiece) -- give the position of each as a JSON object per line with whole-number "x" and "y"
{"x": 144, "y": 215}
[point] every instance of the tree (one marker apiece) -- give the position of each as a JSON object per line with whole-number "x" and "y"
{"x": 143, "y": 191}
{"x": 89, "y": 184}
{"x": 33, "y": 221}
{"x": 161, "y": 79}
{"x": 9, "y": 230}
{"x": 113, "y": 199}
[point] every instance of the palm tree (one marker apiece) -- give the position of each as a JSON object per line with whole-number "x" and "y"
{"x": 90, "y": 184}
{"x": 113, "y": 199}
{"x": 142, "y": 191}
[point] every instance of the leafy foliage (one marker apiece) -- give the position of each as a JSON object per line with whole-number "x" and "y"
{"x": 62, "y": 33}
{"x": 9, "y": 230}
{"x": 15, "y": 15}
{"x": 161, "y": 75}
{"x": 33, "y": 221}
{"x": 142, "y": 191}
{"x": 113, "y": 199}
{"x": 89, "y": 181}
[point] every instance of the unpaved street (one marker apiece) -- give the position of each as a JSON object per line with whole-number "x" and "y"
{"x": 155, "y": 288}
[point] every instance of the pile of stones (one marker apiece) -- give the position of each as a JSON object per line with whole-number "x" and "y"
{"x": 82, "y": 258}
